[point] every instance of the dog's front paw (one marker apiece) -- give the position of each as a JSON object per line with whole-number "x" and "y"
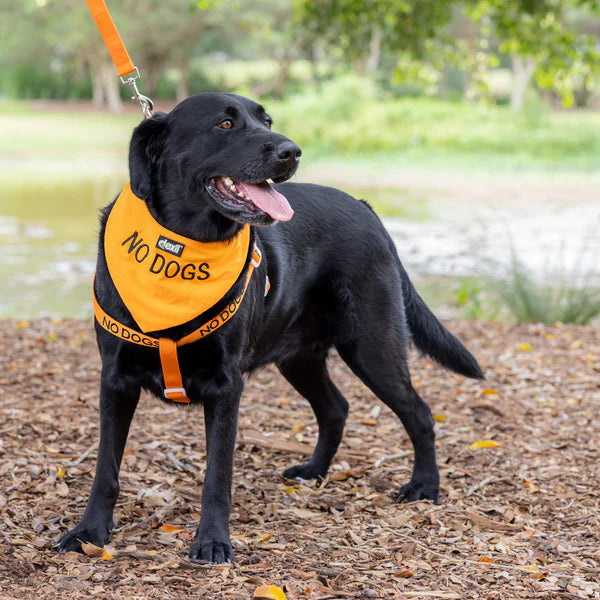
{"x": 419, "y": 490}
{"x": 73, "y": 539}
{"x": 205, "y": 551}
{"x": 306, "y": 471}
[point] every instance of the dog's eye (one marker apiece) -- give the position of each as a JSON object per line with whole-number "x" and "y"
{"x": 268, "y": 123}
{"x": 226, "y": 124}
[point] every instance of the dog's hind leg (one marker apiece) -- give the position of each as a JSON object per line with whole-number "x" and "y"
{"x": 117, "y": 405}
{"x": 378, "y": 357}
{"x": 309, "y": 376}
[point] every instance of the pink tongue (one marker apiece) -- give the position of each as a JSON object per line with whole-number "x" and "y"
{"x": 268, "y": 200}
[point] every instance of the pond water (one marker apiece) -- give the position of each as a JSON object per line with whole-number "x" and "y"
{"x": 48, "y": 234}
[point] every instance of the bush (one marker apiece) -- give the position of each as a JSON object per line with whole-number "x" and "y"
{"x": 350, "y": 116}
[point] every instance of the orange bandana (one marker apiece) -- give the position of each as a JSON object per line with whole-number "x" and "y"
{"x": 163, "y": 278}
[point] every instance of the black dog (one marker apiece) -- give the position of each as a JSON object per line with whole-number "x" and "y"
{"x": 336, "y": 282}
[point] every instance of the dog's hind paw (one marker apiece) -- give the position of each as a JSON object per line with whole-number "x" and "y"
{"x": 211, "y": 552}
{"x": 305, "y": 472}
{"x": 419, "y": 490}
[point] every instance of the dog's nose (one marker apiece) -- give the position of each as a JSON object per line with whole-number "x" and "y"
{"x": 288, "y": 152}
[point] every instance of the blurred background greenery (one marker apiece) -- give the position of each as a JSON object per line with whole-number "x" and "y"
{"x": 472, "y": 127}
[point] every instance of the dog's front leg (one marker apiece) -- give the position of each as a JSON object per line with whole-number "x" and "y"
{"x": 212, "y": 542}
{"x": 117, "y": 405}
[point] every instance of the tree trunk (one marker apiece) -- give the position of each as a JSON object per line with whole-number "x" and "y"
{"x": 372, "y": 62}
{"x": 523, "y": 69}
{"x": 283, "y": 76}
{"x": 182, "y": 90}
{"x": 359, "y": 65}
{"x": 153, "y": 69}
{"x": 582, "y": 94}
{"x": 97, "y": 89}
{"x": 105, "y": 86}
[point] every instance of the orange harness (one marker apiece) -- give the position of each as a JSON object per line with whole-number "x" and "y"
{"x": 166, "y": 280}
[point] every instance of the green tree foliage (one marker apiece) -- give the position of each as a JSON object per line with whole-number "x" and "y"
{"x": 540, "y": 36}
{"x": 351, "y": 24}
{"x": 542, "y": 40}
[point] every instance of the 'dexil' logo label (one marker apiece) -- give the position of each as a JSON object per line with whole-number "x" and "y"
{"x": 170, "y": 246}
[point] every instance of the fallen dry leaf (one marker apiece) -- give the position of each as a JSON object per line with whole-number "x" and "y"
{"x": 269, "y": 592}
{"x": 484, "y": 444}
{"x": 489, "y": 392}
{"x": 92, "y": 550}
{"x": 166, "y": 528}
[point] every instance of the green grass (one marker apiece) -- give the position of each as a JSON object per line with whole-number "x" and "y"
{"x": 347, "y": 120}
{"x": 37, "y": 134}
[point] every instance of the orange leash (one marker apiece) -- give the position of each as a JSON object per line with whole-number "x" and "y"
{"x": 111, "y": 37}
{"x": 118, "y": 53}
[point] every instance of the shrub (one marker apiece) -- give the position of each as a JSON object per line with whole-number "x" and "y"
{"x": 562, "y": 293}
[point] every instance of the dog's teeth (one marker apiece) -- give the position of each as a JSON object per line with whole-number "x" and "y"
{"x": 232, "y": 188}
{"x": 228, "y": 180}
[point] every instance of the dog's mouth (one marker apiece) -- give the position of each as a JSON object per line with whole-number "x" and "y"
{"x": 254, "y": 198}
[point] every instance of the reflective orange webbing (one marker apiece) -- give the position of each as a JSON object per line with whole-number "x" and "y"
{"x": 111, "y": 37}
{"x": 167, "y": 347}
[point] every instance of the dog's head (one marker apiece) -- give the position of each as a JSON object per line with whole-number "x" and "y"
{"x": 218, "y": 152}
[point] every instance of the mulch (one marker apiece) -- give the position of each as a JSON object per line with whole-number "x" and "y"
{"x": 516, "y": 519}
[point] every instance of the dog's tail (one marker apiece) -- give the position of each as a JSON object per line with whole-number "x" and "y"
{"x": 431, "y": 337}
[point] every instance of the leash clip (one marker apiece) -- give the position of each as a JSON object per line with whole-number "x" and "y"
{"x": 146, "y": 104}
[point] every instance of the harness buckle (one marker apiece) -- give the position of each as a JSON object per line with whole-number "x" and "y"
{"x": 256, "y": 257}
{"x": 178, "y": 391}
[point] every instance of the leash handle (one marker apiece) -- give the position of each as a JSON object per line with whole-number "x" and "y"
{"x": 118, "y": 53}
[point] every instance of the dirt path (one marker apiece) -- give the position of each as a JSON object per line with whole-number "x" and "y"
{"x": 515, "y": 521}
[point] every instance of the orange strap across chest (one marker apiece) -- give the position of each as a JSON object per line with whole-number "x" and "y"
{"x": 167, "y": 347}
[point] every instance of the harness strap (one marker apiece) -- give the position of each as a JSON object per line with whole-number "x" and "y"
{"x": 167, "y": 347}
{"x": 111, "y": 37}
{"x": 169, "y": 362}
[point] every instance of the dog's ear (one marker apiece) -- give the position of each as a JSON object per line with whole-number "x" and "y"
{"x": 144, "y": 153}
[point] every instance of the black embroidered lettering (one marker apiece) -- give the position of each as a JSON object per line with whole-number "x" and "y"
{"x": 136, "y": 338}
{"x": 188, "y": 272}
{"x": 114, "y": 328}
{"x": 125, "y": 333}
{"x": 134, "y": 242}
{"x": 172, "y": 273}
{"x": 142, "y": 252}
{"x": 153, "y": 267}
{"x": 203, "y": 271}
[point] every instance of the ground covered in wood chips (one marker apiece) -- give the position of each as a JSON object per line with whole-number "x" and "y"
{"x": 518, "y": 519}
